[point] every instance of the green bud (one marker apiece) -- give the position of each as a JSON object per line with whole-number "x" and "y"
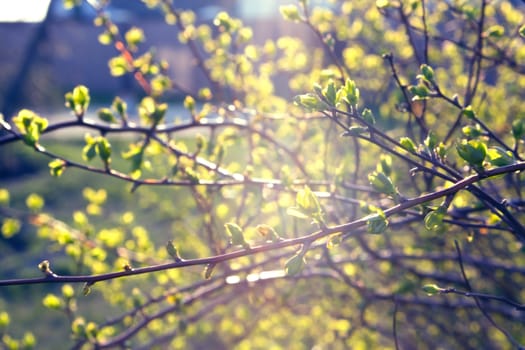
{"x": 67, "y": 291}
{"x": 45, "y": 267}
{"x": 189, "y": 103}
{"x": 432, "y": 289}
{"x": 120, "y": 106}
{"x": 208, "y": 271}
{"x": 420, "y": 92}
{"x": 86, "y": 289}
{"x": 105, "y": 114}
{"x": 518, "y": 129}
{"x": 52, "y": 302}
{"x": 172, "y": 251}
{"x": 428, "y": 72}
{"x": 408, "y": 144}
{"x": 469, "y": 112}
{"x": 441, "y": 150}
{"x": 78, "y": 326}
{"x": 368, "y": 116}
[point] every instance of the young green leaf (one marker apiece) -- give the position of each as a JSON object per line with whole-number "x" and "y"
{"x": 368, "y": 116}
{"x": 472, "y": 132}
{"x": 90, "y": 149}
{"x": 469, "y": 112}
{"x": 104, "y": 149}
{"x": 420, "y": 92}
{"x": 310, "y": 102}
{"x": 434, "y": 220}
{"x": 78, "y": 100}
{"x": 431, "y": 140}
{"x": 118, "y": 66}
{"x": 135, "y": 154}
{"x": 30, "y": 126}
{"x": 120, "y": 106}
{"x": 499, "y": 157}
{"x": 408, "y": 144}
{"x": 173, "y": 252}
{"x": 268, "y": 232}
{"x": 518, "y": 129}
{"x": 385, "y": 164}
{"x": 428, "y": 72}
{"x": 495, "y": 31}
{"x": 307, "y": 201}
{"x": 473, "y": 151}
{"x": 350, "y": 93}
{"x": 382, "y": 183}
{"x": 330, "y": 94}
{"x": 377, "y": 223}
{"x": 295, "y": 264}
{"x": 236, "y": 235}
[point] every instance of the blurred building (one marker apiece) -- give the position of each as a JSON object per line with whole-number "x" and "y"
{"x": 40, "y": 61}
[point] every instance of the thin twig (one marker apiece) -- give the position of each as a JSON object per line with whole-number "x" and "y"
{"x": 478, "y": 304}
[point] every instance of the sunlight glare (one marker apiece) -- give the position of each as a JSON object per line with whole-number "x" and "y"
{"x": 23, "y": 10}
